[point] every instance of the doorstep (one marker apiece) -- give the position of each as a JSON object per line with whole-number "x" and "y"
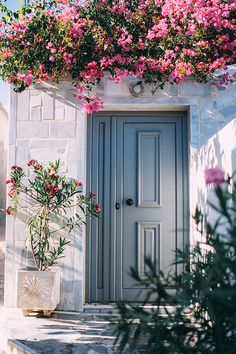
{"x": 99, "y": 308}
{"x": 77, "y": 333}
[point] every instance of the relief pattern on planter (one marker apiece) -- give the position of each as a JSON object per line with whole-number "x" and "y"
{"x": 35, "y": 292}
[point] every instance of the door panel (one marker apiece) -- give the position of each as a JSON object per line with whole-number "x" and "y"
{"x": 137, "y": 157}
{"x": 148, "y": 171}
{"x": 98, "y": 242}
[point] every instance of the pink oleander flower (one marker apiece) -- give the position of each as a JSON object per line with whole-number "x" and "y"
{"x": 98, "y": 208}
{"x": 214, "y": 175}
{"x": 9, "y": 210}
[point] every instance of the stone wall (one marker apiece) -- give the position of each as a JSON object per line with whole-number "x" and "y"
{"x": 46, "y": 124}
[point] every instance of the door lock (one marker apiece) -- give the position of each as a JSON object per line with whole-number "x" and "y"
{"x": 129, "y": 202}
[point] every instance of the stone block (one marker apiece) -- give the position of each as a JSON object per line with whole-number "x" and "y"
{"x": 207, "y": 130}
{"x": 71, "y": 158}
{"x": 70, "y": 106}
{"x": 35, "y": 99}
{"x": 226, "y": 98}
{"x": 194, "y": 131}
{"x": 44, "y": 155}
{"x": 48, "y": 105}
{"x": 228, "y": 111}
{"x": 20, "y": 253}
{"x": 192, "y": 88}
{"x": 32, "y": 130}
{"x": 48, "y": 144}
{"x": 62, "y": 130}
{"x": 12, "y": 121}
{"x": 36, "y": 113}
{"x": 60, "y": 113}
{"x": 80, "y": 174}
{"x": 60, "y": 106}
{"x": 81, "y": 137}
{"x": 174, "y": 90}
{"x": 22, "y": 231}
{"x": 117, "y": 89}
{"x": 35, "y": 91}
{"x": 100, "y": 89}
{"x": 152, "y": 91}
{"x": 22, "y": 152}
{"x": 23, "y": 106}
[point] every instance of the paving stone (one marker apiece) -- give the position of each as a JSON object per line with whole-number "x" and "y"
{"x": 60, "y": 334}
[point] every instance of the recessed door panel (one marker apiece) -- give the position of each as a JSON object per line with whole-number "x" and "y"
{"x": 149, "y": 244}
{"x": 149, "y": 153}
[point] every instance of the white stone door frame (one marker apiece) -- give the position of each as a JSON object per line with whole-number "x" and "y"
{"x": 139, "y": 107}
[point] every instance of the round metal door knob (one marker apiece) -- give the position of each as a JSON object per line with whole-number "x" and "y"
{"x": 129, "y": 202}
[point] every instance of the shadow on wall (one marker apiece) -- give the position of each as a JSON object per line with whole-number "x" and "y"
{"x": 219, "y": 150}
{"x": 3, "y": 165}
{"x": 233, "y": 158}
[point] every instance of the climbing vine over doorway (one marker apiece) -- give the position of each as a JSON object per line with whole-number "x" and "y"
{"x": 157, "y": 41}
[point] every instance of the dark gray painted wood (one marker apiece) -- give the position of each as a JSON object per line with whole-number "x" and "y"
{"x": 143, "y": 157}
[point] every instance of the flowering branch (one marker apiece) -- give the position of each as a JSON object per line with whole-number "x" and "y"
{"x": 157, "y": 41}
{"x": 51, "y": 196}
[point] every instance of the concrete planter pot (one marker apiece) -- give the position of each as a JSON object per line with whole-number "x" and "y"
{"x": 38, "y": 291}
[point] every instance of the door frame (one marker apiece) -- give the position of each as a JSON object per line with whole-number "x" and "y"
{"x": 182, "y": 114}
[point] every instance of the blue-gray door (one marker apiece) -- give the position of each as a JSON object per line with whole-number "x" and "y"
{"x": 137, "y": 166}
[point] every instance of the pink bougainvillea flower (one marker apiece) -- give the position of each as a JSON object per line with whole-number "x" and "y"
{"x": 91, "y": 104}
{"x": 158, "y": 41}
{"x": 214, "y": 175}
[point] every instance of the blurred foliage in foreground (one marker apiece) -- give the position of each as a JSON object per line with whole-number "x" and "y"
{"x": 200, "y": 316}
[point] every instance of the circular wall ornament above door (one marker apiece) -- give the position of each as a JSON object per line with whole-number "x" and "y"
{"x": 136, "y": 89}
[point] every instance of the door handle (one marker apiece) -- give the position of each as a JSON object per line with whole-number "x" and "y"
{"x": 129, "y": 202}
{"x": 117, "y": 206}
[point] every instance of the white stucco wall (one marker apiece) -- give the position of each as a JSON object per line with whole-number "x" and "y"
{"x": 45, "y": 124}
{"x": 3, "y": 165}
{"x": 219, "y": 150}
{"x": 3, "y": 154}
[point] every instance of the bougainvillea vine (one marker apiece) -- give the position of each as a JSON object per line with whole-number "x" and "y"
{"x": 157, "y": 41}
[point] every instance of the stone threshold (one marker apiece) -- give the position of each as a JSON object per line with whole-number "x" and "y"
{"x": 99, "y": 308}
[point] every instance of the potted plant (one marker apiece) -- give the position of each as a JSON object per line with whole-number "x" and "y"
{"x": 52, "y": 207}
